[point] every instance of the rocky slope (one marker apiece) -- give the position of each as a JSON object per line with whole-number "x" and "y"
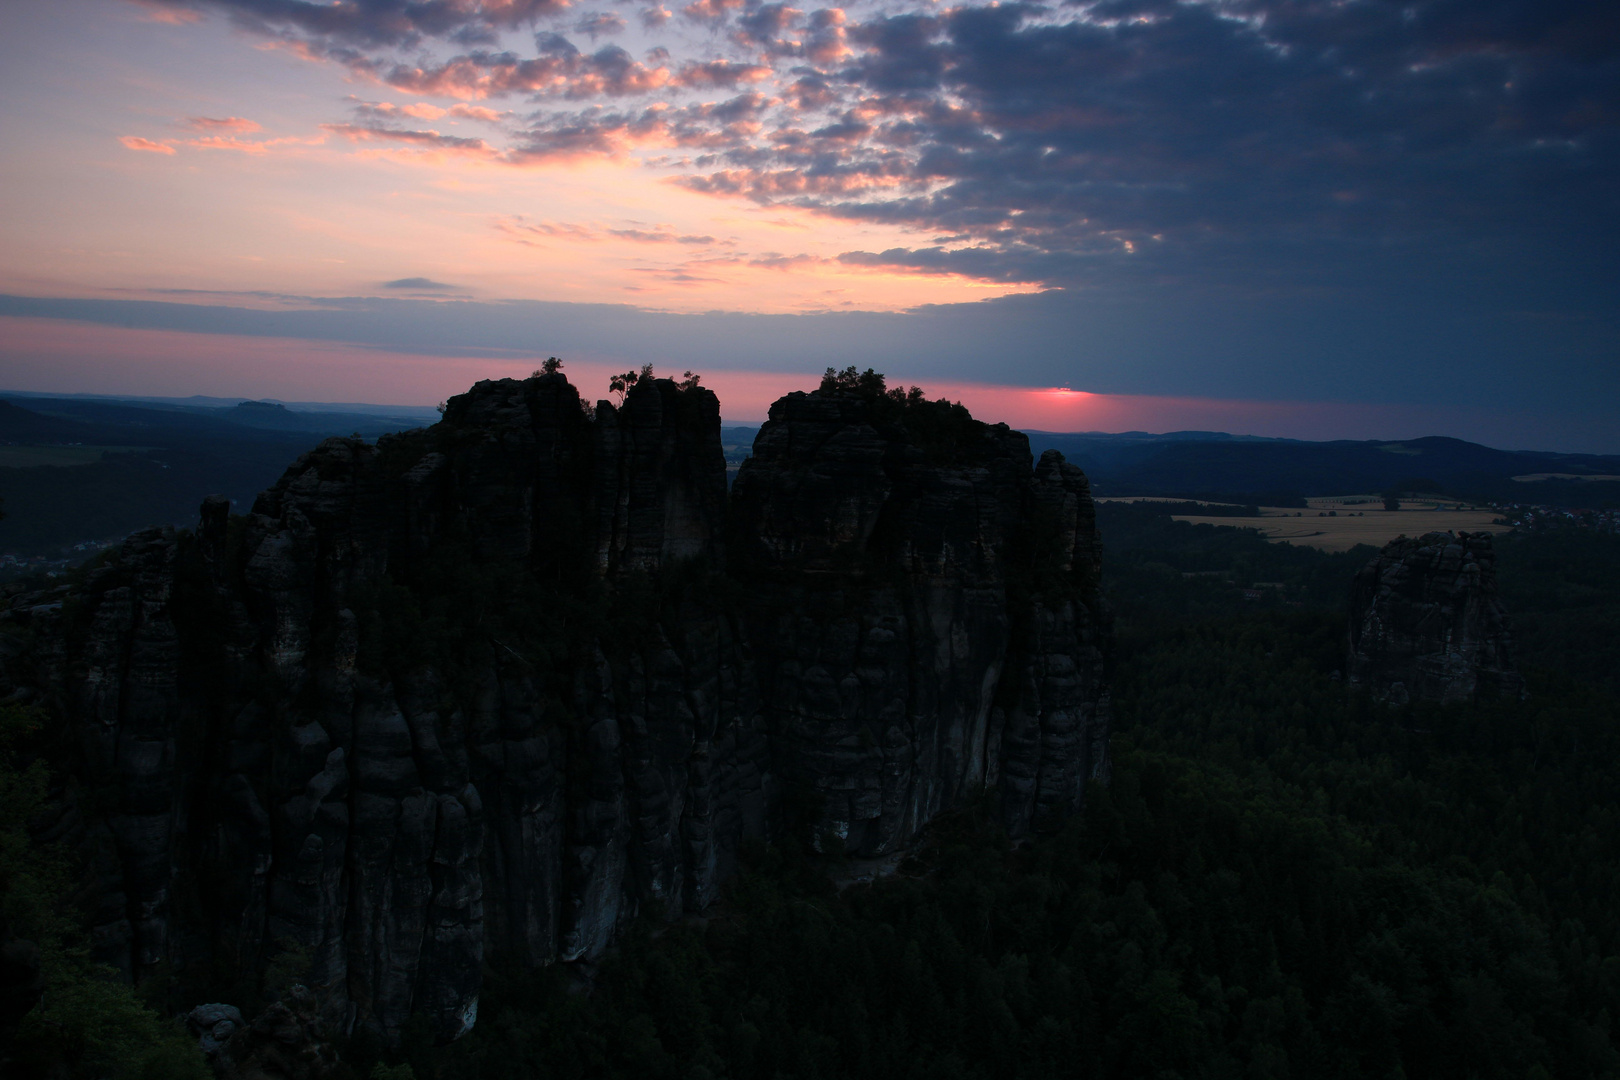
{"x": 492, "y": 688}
{"x": 1426, "y": 622}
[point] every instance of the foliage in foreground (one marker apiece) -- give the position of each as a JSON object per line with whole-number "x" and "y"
{"x": 87, "y": 1023}
{"x": 1282, "y": 882}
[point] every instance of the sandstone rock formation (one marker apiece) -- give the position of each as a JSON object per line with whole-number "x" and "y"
{"x": 1426, "y": 622}
{"x": 288, "y": 1040}
{"x": 492, "y": 688}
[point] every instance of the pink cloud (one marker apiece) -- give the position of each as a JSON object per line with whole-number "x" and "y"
{"x": 829, "y": 40}
{"x": 721, "y": 73}
{"x": 475, "y": 112}
{"x": 218, "y": 142}
{"x": 476, "y": 76}
{"x": 526, "y": 232}
{"x": 426, "y": 140}
{"x": 661, "y": 234}
{"x": 154, "y": 11}
{"x": 766, "y": 185}
{"x": 775, "y": 261}
{"x": 710, "y": 10}
{"x": 135, "y": 142}
{"x": 236, "y": 124}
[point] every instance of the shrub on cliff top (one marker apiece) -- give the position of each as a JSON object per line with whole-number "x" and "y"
{"x": 941, "y": 428}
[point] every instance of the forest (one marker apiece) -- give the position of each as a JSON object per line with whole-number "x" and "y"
{"x": 1282, "y": 880}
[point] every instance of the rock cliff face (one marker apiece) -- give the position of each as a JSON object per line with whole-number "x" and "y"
{"x": 1426, "y": 622}
{"x": 492, "y": 688}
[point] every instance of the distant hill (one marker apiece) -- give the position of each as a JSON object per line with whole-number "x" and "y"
{"x": 177, "y": 455}
{"x": 1252, "y": 468}
{"x": 186, "y": 420}
{"x": 1203, "y": 464}
{"x": 23, "y": 427}
{"x": 185, "y": 448}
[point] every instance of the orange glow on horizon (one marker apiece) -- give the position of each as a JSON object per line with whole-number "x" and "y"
{"x": 59, "y": 356}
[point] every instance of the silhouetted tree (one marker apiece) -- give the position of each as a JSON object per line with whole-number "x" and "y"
{"x": 621, "y": 384}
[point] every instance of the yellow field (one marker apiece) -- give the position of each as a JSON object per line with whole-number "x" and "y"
{"x": 1372, "y": 526}
{"x": 1158, "y": 498}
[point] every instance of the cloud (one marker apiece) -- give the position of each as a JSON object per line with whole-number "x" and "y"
{"x": 476, "y": 112}
{"x": 721, "y": 73}
{"x": 560, "y": 71}
{"x": 418, "y": 284}
{"x": 661, "y": 234}
{"x": 222, "y": 142}
{"x": 599, "y": 24}
{"x": 1189, "y": 133}
{"x": 710, "y": 10}
{"x": 135, "y": 142}
{"x": 1285, "y": 349}
{"x": 231, "y": 124}
{"x": 526, "y": 232}
{"x": 1201, "y": 143}
{"x": 775, "y": 261}
{"x": 421, "y": 110}
{"x": 768, "y": 28}
{"x": 371, "y": 24}
{"x": 387, "y": 110}
{"x": 828, "y": 41}
{"x": 159, "y": 11}
{"x": 429, "y": 139}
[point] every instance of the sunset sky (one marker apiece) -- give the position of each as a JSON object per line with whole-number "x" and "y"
{"x": 1341, "y": 218}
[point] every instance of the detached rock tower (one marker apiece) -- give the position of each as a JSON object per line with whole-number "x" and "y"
{"x": 1426, "y": 622}
{"x": 494, "y": 687}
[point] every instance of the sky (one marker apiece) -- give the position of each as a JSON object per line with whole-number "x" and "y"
{"x": 1312, "y": 218}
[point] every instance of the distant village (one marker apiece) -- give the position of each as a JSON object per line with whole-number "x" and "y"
{"x": 1528, "y": 516}
{"x": 13, "y": 566}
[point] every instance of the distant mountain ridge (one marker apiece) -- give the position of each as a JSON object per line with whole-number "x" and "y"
{"x": 185, "y": 448}
{"x": 161, "y": 459}
{"x": 1206, "y": 464}
{"x": 184, "y": 420}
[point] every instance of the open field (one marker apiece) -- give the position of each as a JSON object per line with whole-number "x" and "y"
{"x": 1532, "y": 477}
{"x": 27, "y": 457}
{"x": 1160, "y": 498}
{"x": 1373, "y": 526}
{"x": 1359, "y": 503}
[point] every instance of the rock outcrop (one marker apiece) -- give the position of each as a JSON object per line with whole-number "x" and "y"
{"x": 288, "y": 1040}
{"x": 492, "y": 688}
{"x": 1426, "y": 622}
{"x": 908, "y": 649}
